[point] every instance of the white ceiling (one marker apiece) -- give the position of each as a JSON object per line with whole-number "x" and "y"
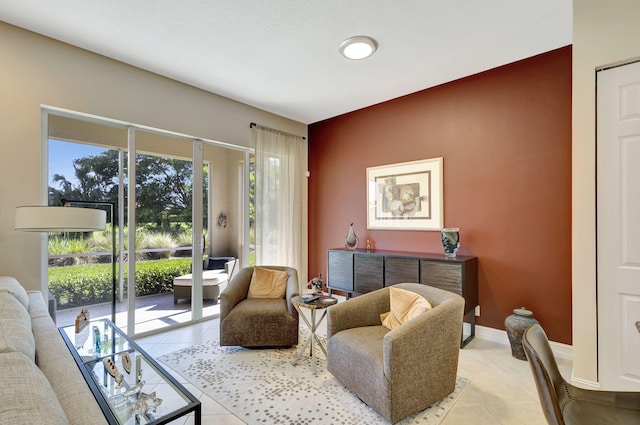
{"x": 282, "y": 55}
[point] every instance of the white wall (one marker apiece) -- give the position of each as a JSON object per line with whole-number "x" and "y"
{"x": 37, "y": 71}
{"x": 224, "y": 189}
{"x": 603, "y": 33}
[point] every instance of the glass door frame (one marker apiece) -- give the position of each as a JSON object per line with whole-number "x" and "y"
{"x": 197, "y": 206}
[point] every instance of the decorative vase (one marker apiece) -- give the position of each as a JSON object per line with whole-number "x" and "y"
{"x": 96, "y": 339}
{"x": 450, "y": 241}
{"x": 351, "y": 240}
{"x": 316, "y": 284}
{"x": 515, "y": 325}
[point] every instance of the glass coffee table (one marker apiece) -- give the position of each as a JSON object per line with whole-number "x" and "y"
{"x": 129, "y": 385}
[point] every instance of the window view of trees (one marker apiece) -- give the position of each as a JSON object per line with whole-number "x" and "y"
{"x": 88, "y": 161}
{"x": 164, "y": 199}
{"x": 163, "y": 187}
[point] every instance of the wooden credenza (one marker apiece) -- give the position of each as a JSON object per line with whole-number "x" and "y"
{"x": 364, "y": 271}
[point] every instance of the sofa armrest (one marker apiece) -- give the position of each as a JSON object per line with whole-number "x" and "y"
{"x": 436, "y": 333}
{"x": 363, "y": 310}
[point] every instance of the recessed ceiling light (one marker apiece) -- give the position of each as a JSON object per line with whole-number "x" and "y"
{"x": 359, "y": 47}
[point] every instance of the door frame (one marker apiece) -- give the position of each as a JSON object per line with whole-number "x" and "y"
{"x": 197, "y": 213}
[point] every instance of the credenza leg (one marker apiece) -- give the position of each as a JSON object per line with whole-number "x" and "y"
{"x": 472, "y": 325}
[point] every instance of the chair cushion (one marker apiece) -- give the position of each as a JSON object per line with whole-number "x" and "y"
{"x": 13, "y": 287}
{"x": 405, "y": 305}
{"x": 216, "y": 263}
{"x": 267, "y": 283}
{"x": 260, "y": 322}
{"x": 251, "y": 310}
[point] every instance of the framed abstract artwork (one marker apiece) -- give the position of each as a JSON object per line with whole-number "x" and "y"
{"x": 405, "y": 196}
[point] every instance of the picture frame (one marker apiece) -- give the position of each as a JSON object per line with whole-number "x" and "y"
{"x": 406, "y": 196}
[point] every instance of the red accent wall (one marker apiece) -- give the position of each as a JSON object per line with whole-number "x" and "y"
{"x": 505, "y": 136}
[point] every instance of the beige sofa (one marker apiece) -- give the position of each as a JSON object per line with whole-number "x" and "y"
{"x": 40, "y": 382}
{"x": 402, "y": 371}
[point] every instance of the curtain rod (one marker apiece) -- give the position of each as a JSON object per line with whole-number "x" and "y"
{"x": 253, "y": 125}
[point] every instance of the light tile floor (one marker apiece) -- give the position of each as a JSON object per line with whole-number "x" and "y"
{"x": 501, "y": 390}
{"x": 153, "y": 312}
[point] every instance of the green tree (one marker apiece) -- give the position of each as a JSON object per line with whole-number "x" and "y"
{"x": 164, "y": 186}
{"x": 97, "y": 177}
{"x": 164, "y": 190}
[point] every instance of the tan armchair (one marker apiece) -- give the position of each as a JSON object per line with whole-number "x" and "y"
{"x": 258, "y": 322}
{"x": 402, "y": 371}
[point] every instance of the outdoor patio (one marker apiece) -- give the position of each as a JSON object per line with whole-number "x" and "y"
{"x": 153, "y": 312}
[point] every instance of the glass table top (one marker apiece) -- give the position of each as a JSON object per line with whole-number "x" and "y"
{"x": 134, "y": 387}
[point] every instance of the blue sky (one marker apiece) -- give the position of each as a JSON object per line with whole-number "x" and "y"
{"x": 62, "y": 154}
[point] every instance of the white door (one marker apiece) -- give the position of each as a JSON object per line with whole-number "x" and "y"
{"x": 618, "y": 226}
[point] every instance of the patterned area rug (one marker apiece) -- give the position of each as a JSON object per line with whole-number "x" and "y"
{"x": 261, "y": 386}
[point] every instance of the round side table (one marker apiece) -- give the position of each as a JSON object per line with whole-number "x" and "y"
{"x": 313, "y": 303}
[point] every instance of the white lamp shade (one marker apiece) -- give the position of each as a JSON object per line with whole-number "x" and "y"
{"x": 59, "y": 219}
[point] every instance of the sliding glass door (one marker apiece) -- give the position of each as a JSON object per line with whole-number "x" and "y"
{"x": 85, "y": 167}
{"x": 178, "y": 202}
{"x": 164, "y": 231}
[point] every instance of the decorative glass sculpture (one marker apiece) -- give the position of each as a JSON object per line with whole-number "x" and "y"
{"x": 450, "y": 241}
{"x": 351, "y": 240}
{"x": 316, "y": 284}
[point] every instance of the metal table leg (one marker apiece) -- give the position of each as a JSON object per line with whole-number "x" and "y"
{"x": 313, "y": 339}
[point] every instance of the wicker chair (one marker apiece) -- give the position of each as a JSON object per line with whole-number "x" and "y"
{"x": 402, "y": 371}
{"x": 258, "y": 322}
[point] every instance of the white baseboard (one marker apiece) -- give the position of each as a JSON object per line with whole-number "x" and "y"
{"x": 560, "y": 350}
{"x": 583, "y": 383}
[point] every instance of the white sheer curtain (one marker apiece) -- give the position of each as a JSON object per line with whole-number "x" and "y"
{"x": 280, "y": 180}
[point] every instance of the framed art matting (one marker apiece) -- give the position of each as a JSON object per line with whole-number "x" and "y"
{"x": 405, "y": 196}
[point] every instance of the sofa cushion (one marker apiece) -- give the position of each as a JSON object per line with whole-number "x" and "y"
{"x": 405, "y": 305}
{"x": 15, "y": 328}
{"x": 12, "y": 286}
{"x": 27, "y": 397}
{"x": 267, "y": 283}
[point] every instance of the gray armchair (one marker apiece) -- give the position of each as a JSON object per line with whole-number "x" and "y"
{"x": 565, "y": 404}
{"x": 258, "y": 322}
{"x": 402, "y": 371}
